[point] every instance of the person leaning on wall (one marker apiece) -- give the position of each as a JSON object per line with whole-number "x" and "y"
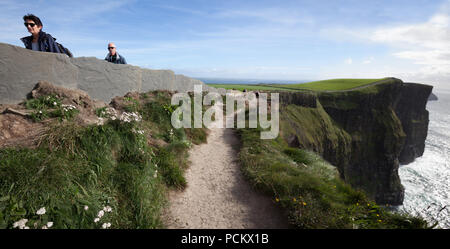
{"x": 113, "y": 56}
{"x": 38, "y": 40}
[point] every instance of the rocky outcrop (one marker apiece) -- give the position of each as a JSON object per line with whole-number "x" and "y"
{"x": 410, "y": 108}
{"x": 298, "y": 98}
{"x": 432, "y": 97}
{"x": 21, "y": 69}
{"x": 371, "y": 131}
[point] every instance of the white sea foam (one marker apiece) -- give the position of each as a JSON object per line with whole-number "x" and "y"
{"x": 427, "y": 179}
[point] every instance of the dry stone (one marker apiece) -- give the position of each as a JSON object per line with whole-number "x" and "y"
{"x": 21, "y": 69}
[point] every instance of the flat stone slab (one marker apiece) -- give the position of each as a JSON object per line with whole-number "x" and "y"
{"x": 21, "y": 69}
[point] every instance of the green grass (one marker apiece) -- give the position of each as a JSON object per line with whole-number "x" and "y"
{"x": 310, "y": 189}
{"x": 96, "y": 166}
{"x": 241, "y": 87}
{"x": 323, "y": 85}
{"x": 334, "y": 84}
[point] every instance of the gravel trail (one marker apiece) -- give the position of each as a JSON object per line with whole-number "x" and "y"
{"x": 217, "y": 194}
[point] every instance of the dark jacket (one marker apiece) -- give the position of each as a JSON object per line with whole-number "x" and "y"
{"x": 119, "y": 59}
{"x": 46, "y": 43}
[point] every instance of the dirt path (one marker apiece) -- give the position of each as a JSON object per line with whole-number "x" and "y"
{"x": 217, "y": 195}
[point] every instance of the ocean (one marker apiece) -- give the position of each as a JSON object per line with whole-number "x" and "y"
{"x": 427, "y": 179}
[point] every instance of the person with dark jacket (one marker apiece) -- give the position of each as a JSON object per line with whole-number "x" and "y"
{"x": 38, "y": 40}
{"x": 113, "y": 56}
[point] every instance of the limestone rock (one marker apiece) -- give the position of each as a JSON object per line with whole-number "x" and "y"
{"x": 21, "y": 69}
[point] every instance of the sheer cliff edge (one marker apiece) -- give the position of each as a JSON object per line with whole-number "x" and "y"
{"x": 366, "y": 133}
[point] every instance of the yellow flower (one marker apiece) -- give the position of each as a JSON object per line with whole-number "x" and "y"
{"x": 378, "y": 215}
{"x": 294, "y": 200}
{"x": 277, "y": 200}
{"x": 304, "y": 203}
{"x": 380, "y": 221}
{"x": 357, "y": 204}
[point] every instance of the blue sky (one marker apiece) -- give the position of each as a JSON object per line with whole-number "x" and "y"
{"x": 285, "y": 40}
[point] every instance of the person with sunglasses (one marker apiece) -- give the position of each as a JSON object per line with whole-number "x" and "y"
{"x": 113, "y": 56}
{"x": 38, "y": 40}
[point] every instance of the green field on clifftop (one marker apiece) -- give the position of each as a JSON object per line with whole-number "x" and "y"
{"x": 323, "y": 85}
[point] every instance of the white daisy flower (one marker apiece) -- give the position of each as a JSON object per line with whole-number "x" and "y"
{"x": 41, "y": 211}
{"x": 21, "y": 223}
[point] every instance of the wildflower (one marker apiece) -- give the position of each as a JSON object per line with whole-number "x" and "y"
{"x": 155, "y": 174}
{"x": 21, "y": 223}
{"x": 54, "y": 103}
{"x": 86, "y": 208}
{"x": 277, "y": 200}
{"x": 49, "y": 224}
{"x": 128, "y": 117}
{"x": 26, "y": 227}
{"x": 40, "y": 112}
{"x": 96, "y": 220}
{"x": 294, "y": 200}
{"x": 304, "y": 203}
{"x": 44, "y": 227}
{"x": 357, "y": 204}
{"x": 106, "y": 225}
{"x": 100, "y": 213}
{"x": 41, "y": 211}
{"x": 380, "y": 221}
{"x": 107, "y": 209}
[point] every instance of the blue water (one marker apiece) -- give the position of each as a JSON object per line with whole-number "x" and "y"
{"x": 427, "y": 179}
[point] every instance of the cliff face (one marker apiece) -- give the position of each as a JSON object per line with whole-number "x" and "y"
{"x": 366, "y": 133}
{"x": 410, "y": 108}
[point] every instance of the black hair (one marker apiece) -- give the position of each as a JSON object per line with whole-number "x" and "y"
{"x": 34, "y": 18}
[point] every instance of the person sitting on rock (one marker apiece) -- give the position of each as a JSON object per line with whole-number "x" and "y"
{"x": 113, "y": 56}
{"x": 38, "y": 40}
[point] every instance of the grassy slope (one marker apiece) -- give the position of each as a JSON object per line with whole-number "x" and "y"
{"x": 306, "y": 185}
{"x": 323, "y": 85}
{"x": 310, "y": 189}
{"x": 97, "y": 166}
{"x": 241, "y": 87}
{"x": 334, "y": 84}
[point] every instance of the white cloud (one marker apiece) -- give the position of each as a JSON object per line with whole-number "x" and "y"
{"x": 276, "y": 16}
{"x": 348, "y": 61}
{"x": 368, "y": 60}
{"x": 426, "y": 44}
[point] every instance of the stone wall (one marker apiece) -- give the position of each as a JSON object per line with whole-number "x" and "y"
{"x": 21, "y": 69}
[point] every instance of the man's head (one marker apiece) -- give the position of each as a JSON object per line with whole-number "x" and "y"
{"x": 112, "y": 48}
{"x": 33, "y": 24}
